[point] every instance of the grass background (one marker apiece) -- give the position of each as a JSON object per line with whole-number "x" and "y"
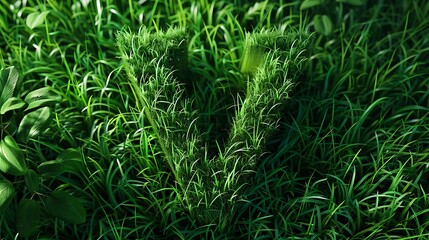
{"x": 348, "y": 161}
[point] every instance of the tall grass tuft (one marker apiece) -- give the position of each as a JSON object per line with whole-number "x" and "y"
{"x": 151, "y": 61}
{"x": 276, "y": 57}
{"x": 212, "y": 186}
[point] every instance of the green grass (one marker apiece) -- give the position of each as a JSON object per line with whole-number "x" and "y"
{"x": 347, "y": 160}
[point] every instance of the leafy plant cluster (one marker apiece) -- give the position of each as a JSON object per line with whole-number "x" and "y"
{"x": 323, "y": 22}
{"x": 21, "y": 122}
{"x": 174, "y": 142}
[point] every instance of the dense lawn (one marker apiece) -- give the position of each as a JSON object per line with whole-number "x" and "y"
{"x": 343, "y": 152}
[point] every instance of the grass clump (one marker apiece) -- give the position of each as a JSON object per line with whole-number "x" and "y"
{"x": 211, "y": 187}
{"x": 258, "y": 112}
{"x": 148, "y": 59}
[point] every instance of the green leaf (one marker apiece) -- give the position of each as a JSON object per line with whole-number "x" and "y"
{"x": 71, "y": 159}
{"x": 323, "y": 24}
{"x": 352, "y": 2}
{"x": 51, "y": 168}
{"x": 256, "y": 9}
{"x": 9, "y": 83}
{"x": 11, "y": 157}
{"x": 36, "y": 19}
{"x": 6, "y": 194}
{"x": 41, "y": 97}
{"x": 12, "y": 103}
{"x": 32, "y": 181}
{"x": 251, "y": 60}
{"x": 27, "y": 217}
{"x": 33, "y": 124}
{"x": 10, "y": 123}
{"x": 65, "y": 207}
{"x": 310, "y": 3}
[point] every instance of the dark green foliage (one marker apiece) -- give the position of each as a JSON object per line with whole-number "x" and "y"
{"x": 16, "y": 159}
